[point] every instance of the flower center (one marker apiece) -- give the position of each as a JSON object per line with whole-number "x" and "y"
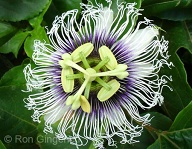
{"x": 91, "y": 75}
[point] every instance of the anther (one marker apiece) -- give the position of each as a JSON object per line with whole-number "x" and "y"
{"x": 104, "y": 52}
{"x": 104, "y": 94}
{"x": 85, "y": 105}
{"x": 86, "y": 48}
{"x": 67, "y": 84}
{"x": 103, "y": 83}
{"x": 102, "y": 63}
{"x": 74, "y": 76}
{"x": 84, "y": 60}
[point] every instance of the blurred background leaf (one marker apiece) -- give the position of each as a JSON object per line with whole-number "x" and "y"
{"x": 18, "y": 10}
{"x": 14, "y": 44}
{"x": 15, "y": 119}
{"x": 2, "y": 145}
{"x": 180, "y": 133}
{"x": 178, "y": 36}
{"x": 177, "y": 10}
{"x": 58, "y": 7}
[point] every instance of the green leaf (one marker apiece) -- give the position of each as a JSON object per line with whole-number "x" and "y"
{"x": 158, "y": 119}
{"x": 183, "y": 119}
{"x": 6, "y": 28}
{"x": 14, "y": 44}
{"x": 2, "y": 145}
{"x": 63, "y": 5}
{"x": 91, "y": 146}
{"x": 181, "y": 95}
{"x": 114, "y": 3}
{"x": 37, "y": 34}
{"x": 50, "y": 141}
{"x": 20, "y": 9}
{"x": 189, "y": 27}
{"x": 16, "y": 126}
{"x": 180, "y": 134}
{"x": 177, "y": 10}
{"x": 58, "y": 7}
{"x": 15, "y": 119}
{"x": 14, "y": 76}
{"x": 36, "y": 21}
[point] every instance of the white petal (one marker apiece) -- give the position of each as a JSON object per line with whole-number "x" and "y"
{"x": 107, "y": 16}
{"x": 54, "y": 115}
{"x": 142, "y": 69}
{"x": 141, "y": 38}
{"x": 105, "y": 20}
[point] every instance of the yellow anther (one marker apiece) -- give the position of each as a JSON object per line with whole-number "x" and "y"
{"x": 85, "y": 105}
{"x": 76, "y": 104}
{"x": 105, "y": 94}
{"x": 67, "y": 84}
{"x": 123, "y": 75}
{"x": 69, "y": 100}
{"x": 86, "y": 49}
{"x": 66, "y": 56}
{"x": 62, "y": 64}
{"x": 121, "y": 67}
{"x": 106, "y": 52}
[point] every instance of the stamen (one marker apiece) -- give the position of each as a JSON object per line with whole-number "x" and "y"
{"x": 68, "y": 85}
{"x": 75, "y": 100}
{"x": 70, "y": 100}
{"x": 80, "y": 91}
{"x": 76, "y": 104}
{"x": 62, "y": 64}
{"x": 84, "y": 60}
{"x": 74, "y": 65}
{"x": 74, "y": 76}
{"x": 103, "y": 83}
{"x": 106, "y": 52}
{"x": 86, "y": 48}
{"x": 66, "y": 56}
{"x": 104, "y": 94}
{"x": 119, "y": 71}
{"x": 123, "y": 75}
{"x": 85, "y": 105}
{"x": 102, "y": 63}
{"x": 87, "y": 90}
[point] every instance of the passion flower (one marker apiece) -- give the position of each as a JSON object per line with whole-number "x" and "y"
{"x": 96, "y": 74}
